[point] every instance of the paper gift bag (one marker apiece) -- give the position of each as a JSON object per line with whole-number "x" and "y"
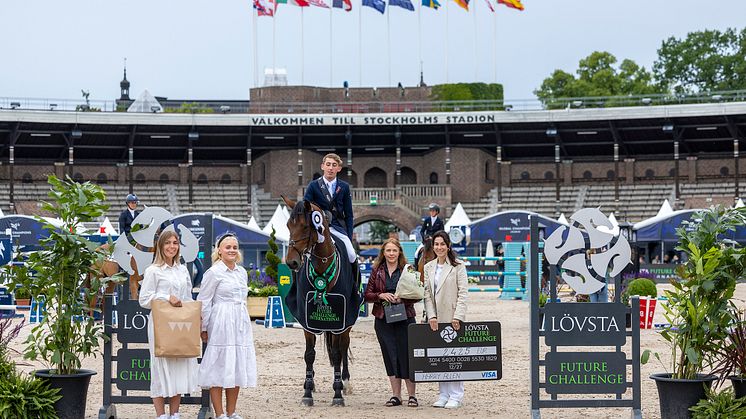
{"x": 176, "y": 329}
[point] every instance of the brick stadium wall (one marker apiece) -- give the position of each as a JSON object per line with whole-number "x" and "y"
{"x": 305, "y": 94}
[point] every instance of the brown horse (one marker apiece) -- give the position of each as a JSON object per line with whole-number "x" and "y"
{"x": 425, "y": 255}
{"x": 311, "y": 249}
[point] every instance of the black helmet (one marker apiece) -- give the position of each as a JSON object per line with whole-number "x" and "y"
{"x": 433, "y": 206}
{"x": 131, "y": 198}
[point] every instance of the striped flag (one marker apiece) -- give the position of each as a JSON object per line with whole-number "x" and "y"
{"x": 489, "y": 5}
{"x": 318, "y": 3}
{"x": 404, "y": 4}
{"x": 376, "y": 4}
{"x": 265, "y": 7}
{"x": 342, "y": 4}
{"x": 299, "y": 3}
{"x": 433, "y": 4}
{"x": 513, "y": 4}
{"x": 464, "y": 4}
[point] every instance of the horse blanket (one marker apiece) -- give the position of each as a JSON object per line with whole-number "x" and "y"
{"x": 337, "y": 309}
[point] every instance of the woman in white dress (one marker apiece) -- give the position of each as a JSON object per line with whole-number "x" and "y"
{"x": 229, "y": 361}
{"x": 167, "y": 279}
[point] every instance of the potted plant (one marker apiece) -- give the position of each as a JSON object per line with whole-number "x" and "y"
{"x": 698, "y": 307}
{"x": 263, "y": 284}
{"x": 720, "y": 405}
{"x": 642, "y": 287}
{"x": 731, "y": 357}
{"x": 58, "y": 271}
{"x": 23, "y": 298}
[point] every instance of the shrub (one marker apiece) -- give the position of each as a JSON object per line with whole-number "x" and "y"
{"x": 641, "y": 287}
{"x": 720, "y": 405}
{"x": 272, "y": 259}
{"x": 22, "y": 396}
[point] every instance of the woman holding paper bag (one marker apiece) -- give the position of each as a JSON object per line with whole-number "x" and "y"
{"x": 446, "y": 289}
{"x": 230, "y": 361}
{"x": 388, "y": 267}
{"x": 167, "y": 279}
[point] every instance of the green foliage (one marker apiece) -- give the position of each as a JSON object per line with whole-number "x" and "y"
{"x": 272, "y": 259}
{"x": 641, "y": 287}
{"x": 704, "y": 61}
{"x": 25, "y": 397}
{"x": 731, "y": 357}
{"x": 67, "y": 333}
{"x": 266, "y": 291}
{"x": 597, "y": 76}
{"x": 698, "y": 306}
{"x": 720, "y": 406}
{"x": 21, "y": 293}
{"x": 193, "y": 107}
{"x": 542, "y": 299}
{"x": 379, "y": 231}
{"x": 467, "y": 92}
{"x": 8, "y": 332}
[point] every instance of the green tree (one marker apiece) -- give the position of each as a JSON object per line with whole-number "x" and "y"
{"x": 597, "y": 76}
{"x": 467, "y": 92}
{"x": 379, "y": 231}
{"x": 272, "y": 259}
{"x": 704, "y": 61}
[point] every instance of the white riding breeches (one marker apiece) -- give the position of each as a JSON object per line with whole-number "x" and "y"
{"x": 348, "y": 244}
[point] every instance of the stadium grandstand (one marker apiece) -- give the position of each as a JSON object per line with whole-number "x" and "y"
{"x": 402, "y": 151}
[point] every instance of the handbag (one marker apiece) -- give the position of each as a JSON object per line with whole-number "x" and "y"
{"x": 409, "y": 286}
{"x": 176, "y": 329}
{"x": 394, "y": 313}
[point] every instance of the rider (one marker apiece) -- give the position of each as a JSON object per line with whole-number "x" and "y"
{"x": 433, "y": 223}
{"x": 129, "y": 213}
{"x": 333, "y": 196}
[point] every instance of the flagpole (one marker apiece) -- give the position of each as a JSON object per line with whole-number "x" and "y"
{"x": 256, "y": 50}
{"x": 331, "y": 49}
{"x": 419, "y": 33}
{"x": 388, "y": 40}
{"x": 447, "y": 39}
{"x": 274, "y": 54}
{"x": 360, "y": 45}
{"x": 302, "y": 49}
{"x": 494, "y": 50}
{"x": 474, "y": 11}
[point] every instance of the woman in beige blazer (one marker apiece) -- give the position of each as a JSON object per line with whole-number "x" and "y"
{"x": 445, "y": 302}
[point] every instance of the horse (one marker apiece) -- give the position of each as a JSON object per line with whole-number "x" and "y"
{"x": 426, "y": 254}
{"x": 324, "y": 286}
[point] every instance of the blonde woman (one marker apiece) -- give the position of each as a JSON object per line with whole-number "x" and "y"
{"x": 167, "y": 279}
{"x": 229, "y": 362}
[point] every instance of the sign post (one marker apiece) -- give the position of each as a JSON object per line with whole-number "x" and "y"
{"x": 586, "y": 258}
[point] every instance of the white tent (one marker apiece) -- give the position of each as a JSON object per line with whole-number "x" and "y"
{"x": 458, "y": 218}
{"x": 562, "y": 219}
{"x": 739, "y": 204}
{"x": 106, "y": 228}
{"x": 490, "y": 253}
{"x": 253, "y": 224}
{"x": 665, "y": 209}
{"x": 1, "y": 213}
{"x": 614, "y": 226}
{"x": 279, "y": 222}
{"x": 145, "y": 103}
{"x": 58, "y": 223}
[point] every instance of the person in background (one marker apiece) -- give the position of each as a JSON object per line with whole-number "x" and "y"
{"x": 355, "y": 244}
{"x": 128, "y": 214}
{"x": 392, "y": 337}
{"x": 446, "y": 291}
{"x": 433, "y": 223}
{"x": 229, "y": 362}
{"x": 167, "y": 279}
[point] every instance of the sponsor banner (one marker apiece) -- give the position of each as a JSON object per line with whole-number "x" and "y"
{"x": 662, "y": 272}
{"x": 450, "y": 118}
{"x": 585, "y": 373}
{"x": 133, "y": 369}
{"x": 471, "y": 353}
{"x": 584, "y": 324}
{"x": 133, "y": 322}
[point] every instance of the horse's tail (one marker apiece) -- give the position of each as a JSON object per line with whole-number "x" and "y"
{"x": 328, "y": 336}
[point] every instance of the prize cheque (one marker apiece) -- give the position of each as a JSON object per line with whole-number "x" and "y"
{"x": 471, "y": 353}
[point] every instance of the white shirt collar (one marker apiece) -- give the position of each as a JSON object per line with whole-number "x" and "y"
{"x": 432, "y": 219}
{"x": 225, "y": 267}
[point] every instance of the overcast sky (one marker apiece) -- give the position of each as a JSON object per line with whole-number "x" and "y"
{"x": 201, "y": 49}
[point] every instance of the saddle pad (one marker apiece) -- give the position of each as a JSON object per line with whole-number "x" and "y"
{"x": 322, "y": 317}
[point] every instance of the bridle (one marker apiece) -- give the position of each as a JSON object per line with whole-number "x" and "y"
{"x": 308, "y": 250}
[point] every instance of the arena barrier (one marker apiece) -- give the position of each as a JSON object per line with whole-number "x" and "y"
{"x": 515, "y": 272}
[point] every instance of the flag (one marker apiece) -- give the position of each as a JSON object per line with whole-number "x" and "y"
{"x": 376, "y": 4}
{"x": 433, "y": 4}
{"x": 404, "y": 4}
{"x": 342, "y": 4}
{"x": 299, "y": 3}
{"x": 318, "y": 3}
{"x": 513, "y": 4}
{"x": 492, "y": 9}
{"x": 264, "y": 7}
{"x": 464, "y": 4}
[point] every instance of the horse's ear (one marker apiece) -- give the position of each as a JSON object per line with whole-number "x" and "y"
{"x": 307, "y": 206}
{"x": 289, "y": 202}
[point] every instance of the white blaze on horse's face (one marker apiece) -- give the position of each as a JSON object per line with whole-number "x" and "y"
{"x": 317, "y": 218}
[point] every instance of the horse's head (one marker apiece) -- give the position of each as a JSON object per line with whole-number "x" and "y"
{"x": 308, "y": 227}
{"x": 427, "y": 243}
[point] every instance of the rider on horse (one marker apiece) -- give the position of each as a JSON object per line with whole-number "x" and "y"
{"x": 430, "y": 226}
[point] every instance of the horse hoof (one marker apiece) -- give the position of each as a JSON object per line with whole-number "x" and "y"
{"x": 307, "y": 401}
{"x": 347, "y": 387}
{"x": 338, "y": 401}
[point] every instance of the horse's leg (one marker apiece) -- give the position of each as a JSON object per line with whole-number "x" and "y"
{"x": 335, "y": 356}
{"x": 344, "y": 347}
{"x": 309, "y": 357}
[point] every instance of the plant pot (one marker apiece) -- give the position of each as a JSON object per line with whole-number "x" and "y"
{"x": 73, "y": 389}
{"x": 25, "y": 302}
{"x": 257, "y": 307}
{"x": 739, "y": 386}
{"x": 676, "y": 396}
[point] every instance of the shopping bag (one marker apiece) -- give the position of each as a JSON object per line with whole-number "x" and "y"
{"x": 395, "y": 313}
{"x": 410, "y": 287}
{"x": 176, "y": 329}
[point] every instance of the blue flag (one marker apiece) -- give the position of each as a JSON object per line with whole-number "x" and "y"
{"x": 376, "y": 4}
{"x": 404, "y": 4}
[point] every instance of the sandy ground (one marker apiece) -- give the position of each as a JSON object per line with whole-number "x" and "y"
{"x": 281, "y": 372}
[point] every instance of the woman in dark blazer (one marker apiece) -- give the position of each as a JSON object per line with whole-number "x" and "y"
{"x": 392, "y": 337}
